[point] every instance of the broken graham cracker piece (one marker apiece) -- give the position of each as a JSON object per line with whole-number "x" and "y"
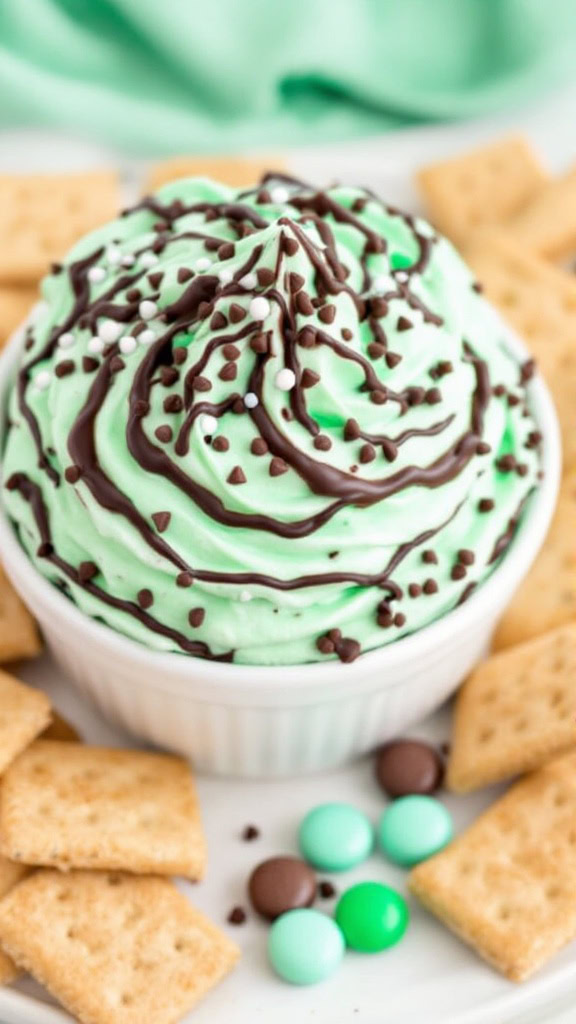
{"x": 481, "y": 187}
{"x": 15, "y": 305}
{"x": 10, "y": 875}
{"x": 507, "y": 885}
{"x": 115, "y": 949}
{"x": 516, "y": 711}
{"x": 539, "y": 301}
{"x": 42, "y": 215}
{"x": 546, "y": 597}
{"x": 547, "y": 225}
{"x": 24, "y": 713}
{"x": 18, "y": 633}
{"x": 232, "y": 170}
{"x": 66, "y": 805}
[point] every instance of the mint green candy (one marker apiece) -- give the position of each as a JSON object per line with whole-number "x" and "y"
{"x": 335, "y": 837}
{"x": 305, "y": 946}
{"x": 398, "y": 261}
{"x": 372, "y": 917}
{"x": 412, "y": 828}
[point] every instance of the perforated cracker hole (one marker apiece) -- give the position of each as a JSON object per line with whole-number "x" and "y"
{"x": 504, "y": 914}
{"x": 520, "y": 725}
{"x": 486, "y": 734}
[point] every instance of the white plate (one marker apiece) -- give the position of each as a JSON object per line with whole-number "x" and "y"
{"x": 430, "y": 977}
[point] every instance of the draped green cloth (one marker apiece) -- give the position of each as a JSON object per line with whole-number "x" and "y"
{"x": 161, "y": 76}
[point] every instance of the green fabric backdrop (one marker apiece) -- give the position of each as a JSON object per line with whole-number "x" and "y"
{"x": 166, "y": 76}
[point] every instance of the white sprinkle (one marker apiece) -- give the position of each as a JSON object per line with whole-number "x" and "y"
{"x": 66, "y": 340}
{"x": 95, "y": 345}
{"x": 109, "y": 330}
{"x": 43, "y": 379}
{"x": 128, "y": 260}
{"x": 148, "y": 259}
{"x": 250, "y": 400}
{"x": 245, "y": 596}
{"x": 209, "y": 424}
{"x": 147, "y": 309}
{"x": 128, "y": 344}
{"x": 203, "y": 264}
{"x": 279, "y": 195}
{"x": 96, "y": 274}
{"x": 225, "y": 276}
{"x": 285, "y": 379}
{"x": 380, "y": 284}
{"x": 249, "y": 281}
{"x": 259, "y": 308}
{"x": 401, "y": 276}
{"x": 113, "y": 254}
{"x": 146, "y": 337}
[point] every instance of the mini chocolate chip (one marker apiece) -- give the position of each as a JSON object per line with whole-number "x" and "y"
{"x": 133, "y": 294}
{"x": 86, "y": 571}
{"x": 226, "y": 251}
{"x": 179, "y": 354}
{"x": 238, "y": 407}
{"x": 236, "y": 476}
{"x": 237, "y": 916}
{"x": 164, "y": 433}
{"x": 376, "y": 350}
{"x": 399, "y": 619}
{"x": 513, "y": 400}
{"x": 485, "y": 505}
{"x": 200, "y": 383}
{"x": 309, "y": 378}
{"x": 196, "y": 617}
{"x": 392, "y": 359}
{"x": 265, "y": 277}
{"x": 522, "y": 469}
{"x": 389, "y": 450}
{"x": 89, "y": 365}
{"x": 236, "y": 313}
{"x": 466, "y": 557}
{"x": 404, "y": 324}
{"x": 325, "y": 646}
{"x": 477, "y": 287}
{"x": 277, "y": 467}
{"x": 156, "y": 278}
{"x": 249, "y": 833}
{"x": 205, "y": 310}
{"x": 169, "y": 375}
{"x": 307, "y": 337}
{"x": 351, "y": 430}
{"x": 378, "y": 307}
{"x": 145, "y": 598}
{"x": 499, "y": 390}
{"x": 258, "y": 446}
{"x": 228, "y": 372}
{"x": 414, "y": 589}
{"x": 458, "y": 572}
{"x": 72, "y": 474}
{"x": 506, "y": 463}
{"x": 184, "y": 579}
{"x": 430, "y": 557}
{"x": 290, "y": 246}
{"x": 367, "y": 453}
{"x": 527, "y": 371}
{"x": 303, "y": 304}
{"x": 259, "y": 343}
{"x": 116, "y": 364}
{"x": 378, "y": 397}
{"x": 433, "y": 396}
{"x": 415, "y": 395}
{"x": 173, "y": 403}
{"x": 348, "y": 650}
{"x": 218, "y": 321}
{"x": 430, "y": 587}
{"x": 295, "y": 282}
{"x": 347, "y": 334}
{"x": 230, "y": 352}
{"x": 161, "y": 520}
{"x": 66, "y": 367}
{"x": 220, "y": 443}
{"x": 326, "y": 890}
{"x": 322, "y": 442}
{"x": 327, "y": 314}
{"x": 483, "y": 448}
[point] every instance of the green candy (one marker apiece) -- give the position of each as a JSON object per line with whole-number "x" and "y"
{"x": 335, "y": 837}
{"x": 305, "y": 946}
{"x": 413, "y": 828}
{"x": 398, "y": 261}
{"x": 372, "y": 917}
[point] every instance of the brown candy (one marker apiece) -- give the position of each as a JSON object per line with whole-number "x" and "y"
{"x": 280, "y": 884}
{"x": 408, "y": 766}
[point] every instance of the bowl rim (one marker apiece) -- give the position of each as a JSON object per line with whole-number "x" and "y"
{"x": 173, "y": 666}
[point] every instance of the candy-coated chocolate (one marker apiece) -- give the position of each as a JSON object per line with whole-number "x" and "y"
{"x": 372, "y": 917}
{"x": 305, "y": 946}
{"x": 335, "y": 836}
{"x": 404, "y": 767}
{"x": 413, "y": 828}
{"x": 280, "y": 884}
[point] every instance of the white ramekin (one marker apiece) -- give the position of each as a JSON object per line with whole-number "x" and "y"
{"x": 262, "y": 722}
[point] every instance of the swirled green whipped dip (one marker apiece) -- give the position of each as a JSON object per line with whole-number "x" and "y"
{"x": 272, "y": 426}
